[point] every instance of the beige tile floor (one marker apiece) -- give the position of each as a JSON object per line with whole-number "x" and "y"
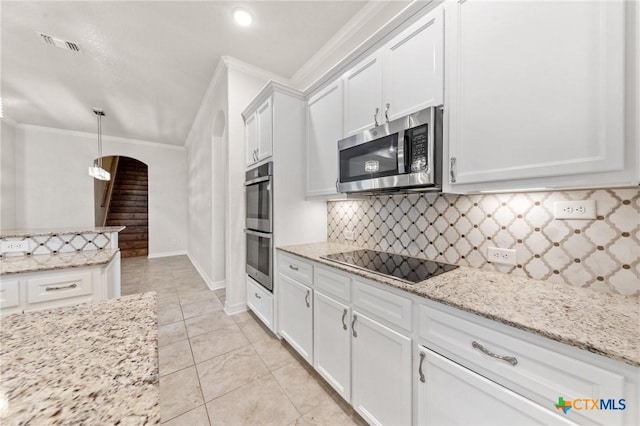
{"x": 217, "y": 369}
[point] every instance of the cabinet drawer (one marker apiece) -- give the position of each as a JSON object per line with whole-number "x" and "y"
{"x": 59, "y": 286}
{"x": 295, "y": 268}
{"x": 9, "y": 294}
{"x": 533, "y": 371}
{"x": 382, "y": 304}
{"x": 332, "y": 283}
{"x": 260, "y": 301}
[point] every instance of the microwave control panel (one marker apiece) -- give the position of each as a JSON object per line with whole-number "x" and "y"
{"x": 417, "y": 137}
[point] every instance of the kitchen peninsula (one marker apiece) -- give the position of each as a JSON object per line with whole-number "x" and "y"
{"x": 84, "y": 364}
{"x": 42, "y": 269}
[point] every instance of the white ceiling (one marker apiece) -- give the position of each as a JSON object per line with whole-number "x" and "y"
{"x": 147, "y": 64}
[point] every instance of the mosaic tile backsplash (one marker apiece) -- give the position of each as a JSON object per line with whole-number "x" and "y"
{"x": 601, "y": 254}
{"x": 62, "y": 243}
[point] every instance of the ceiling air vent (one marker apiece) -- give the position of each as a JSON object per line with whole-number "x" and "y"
{"x": 57, "y": 42}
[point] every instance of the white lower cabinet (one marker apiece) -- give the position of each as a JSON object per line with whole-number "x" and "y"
{"x": 296, "y": 316}
{"x": 400, "y": 359}
{"x": 332, "y": 343}
{"x": 260, "y": 301}
{"x": 381, "y": 372}
{"x": 449, "y": 394}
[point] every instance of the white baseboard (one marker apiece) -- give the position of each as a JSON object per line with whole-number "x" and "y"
{"x": 213, "y": 285}
{"x": 217, "y": 285}
{"x": 166, "y": 254}
{"x": 234, "y": 309}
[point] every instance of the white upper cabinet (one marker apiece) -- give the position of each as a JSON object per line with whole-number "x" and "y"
{"x": 413, "y": 67}
{"x": 363, "y": 95}
{"x": 259, "y": 133}
{"x": 324, "y": 129}
{"x": 536, "y": 95}
{"x": 404, "y": 76}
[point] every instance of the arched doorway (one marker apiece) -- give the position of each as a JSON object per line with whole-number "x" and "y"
{"x": 124, "y": 201}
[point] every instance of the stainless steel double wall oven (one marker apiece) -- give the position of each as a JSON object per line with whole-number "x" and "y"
{"x": 259, "y": 224}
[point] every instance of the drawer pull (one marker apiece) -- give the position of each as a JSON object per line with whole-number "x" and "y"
{"x": 295, "y": 268}
{"x": 258, "y": 296}
{"x": 511, "y": 360}
{"x": 353, "y": 326}
{"x": 420, "y": 373}
{"x": 62, "y": 287}
{"x": 344, "y": 315}
{"x": 306, "y": 298}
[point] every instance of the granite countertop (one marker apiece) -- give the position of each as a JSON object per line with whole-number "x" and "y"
{"x": 601, "y": 323}
{"x": 85, "y": 364}
{"x": 70, "y": 230}
{"x": 46, "y": 262}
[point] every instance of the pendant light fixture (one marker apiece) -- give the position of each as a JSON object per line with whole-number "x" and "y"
{"x": 96, "y": 171}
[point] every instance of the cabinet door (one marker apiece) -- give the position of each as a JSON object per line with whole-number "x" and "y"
{"x": 540, "y": 95}
{"x": 296, "y": 319}
{"x": 265, "y": 130}
{"x": 324, "y": 130}
{"x": 413, "y": 67}
{"x": 332, "y": 343}
{"x": 251, "y": 139}
{"x": 381, "y": 372}
{"x": 483, "y": 401}
{"x": 363, "y": 95}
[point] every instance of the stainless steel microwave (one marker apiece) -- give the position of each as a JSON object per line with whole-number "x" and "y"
{"x": 403, "y": 155}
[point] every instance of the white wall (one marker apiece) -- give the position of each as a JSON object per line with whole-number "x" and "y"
{"x": 7, "y": 176}
{"x": 54, "y": 189}
{"x": 243, "y": 87}
{"x": 206, "y": 156}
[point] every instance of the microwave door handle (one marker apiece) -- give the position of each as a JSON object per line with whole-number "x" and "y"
{"x": 407, "y": 153}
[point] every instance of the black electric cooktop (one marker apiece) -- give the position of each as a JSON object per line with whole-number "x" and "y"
{"x": 408, "y": 269}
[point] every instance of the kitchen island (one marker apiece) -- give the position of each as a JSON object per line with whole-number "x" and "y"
{"x": 92, "y": 363}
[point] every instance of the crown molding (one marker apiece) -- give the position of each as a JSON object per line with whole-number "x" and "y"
{"x": 104, "y": 137}
{"x": 414, "y": 11}
{"x": 266, "y": 91}
{"x": 9, "y": 121}
{"x": 252, "y": 70}
{"x": 354, "y": 25}
{"x": 216, "y": 78}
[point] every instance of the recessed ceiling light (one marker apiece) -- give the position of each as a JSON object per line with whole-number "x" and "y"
{"x": 242, "y": 17}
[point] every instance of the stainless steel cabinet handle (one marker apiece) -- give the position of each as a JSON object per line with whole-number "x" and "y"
{"x": 386, "y": 113}
{"x": 258, "y": 296}
{"x": 295, "y": 268}
{"x": 420, "y": 373}
{"x": 62, "y": 287}
{"x": 353, "y": 326}
{"x": 452, "y": 171}
{"x": 255, "y": 155}
{"x": 344, "y": 315}
{"x": 511, "y": 360}
{"x": 337, "y": 187}
{"x": 306, "y": 298}
{"x": 375, "y": 116}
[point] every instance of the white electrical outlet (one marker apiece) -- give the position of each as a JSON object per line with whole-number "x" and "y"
{"x": 349, "y": 234}
{"x": 502, "y": 256}
{"x": 15, "y": 246}
{"x": 584, "y": 209}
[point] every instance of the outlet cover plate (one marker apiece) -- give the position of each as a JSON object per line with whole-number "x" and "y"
{"x": 349, "y": 235}
{"x": 582, "y": 209}
{"x": 501, "y": 256}
{"x": 15, "y": 246}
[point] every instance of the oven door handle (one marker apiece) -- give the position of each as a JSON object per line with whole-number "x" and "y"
{"x": 258, "y": 233}
{"x": 257, "y": 180}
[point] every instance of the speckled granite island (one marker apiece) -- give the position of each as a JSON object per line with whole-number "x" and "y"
{"x": 604, "y": 324}
{"x": 91, "y": 364}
